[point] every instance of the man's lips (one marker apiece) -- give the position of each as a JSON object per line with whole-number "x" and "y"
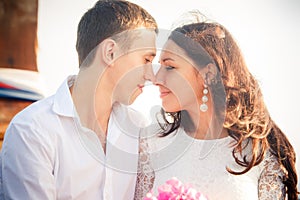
{"x": 141, "y": 86}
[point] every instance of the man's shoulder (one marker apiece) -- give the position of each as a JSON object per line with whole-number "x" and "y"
{"x": 31, "y": 124}
{"x": 38, "y": 110}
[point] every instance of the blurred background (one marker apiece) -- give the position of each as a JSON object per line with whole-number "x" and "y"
{"x": 268, "y": 33}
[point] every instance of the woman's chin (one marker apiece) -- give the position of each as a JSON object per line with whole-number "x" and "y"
{"x": 170, "y": 109}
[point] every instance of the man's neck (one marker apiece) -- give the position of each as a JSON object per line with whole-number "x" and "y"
{"x": 93, "y": 102}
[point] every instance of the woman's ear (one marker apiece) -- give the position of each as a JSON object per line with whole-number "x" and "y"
{"x": 209, "y": 73}
{"x": 212, "y": 68}
{"x": 108, "y": 51}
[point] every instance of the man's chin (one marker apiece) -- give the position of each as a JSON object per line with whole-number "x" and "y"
{"x": 134, "y": 96}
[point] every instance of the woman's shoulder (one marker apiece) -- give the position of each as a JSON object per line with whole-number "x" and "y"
{"x": 272, "y": 164}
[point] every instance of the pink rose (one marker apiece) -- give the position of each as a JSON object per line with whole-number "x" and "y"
{"x": 173, "y": 189}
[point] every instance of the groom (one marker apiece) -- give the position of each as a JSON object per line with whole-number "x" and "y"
{"x": 82, "y": 142}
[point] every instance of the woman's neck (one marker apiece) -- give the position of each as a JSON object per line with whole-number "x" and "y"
{"x": 207, "y": 125}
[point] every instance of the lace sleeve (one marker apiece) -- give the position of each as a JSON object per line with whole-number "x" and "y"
{"x": 270, "y": 184}
{"x": 145, "y": 175}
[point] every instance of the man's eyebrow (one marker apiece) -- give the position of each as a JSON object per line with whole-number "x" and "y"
{"x": 151, "y": 54}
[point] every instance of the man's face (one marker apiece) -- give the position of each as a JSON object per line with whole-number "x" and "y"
{"x": 133, "y": 67}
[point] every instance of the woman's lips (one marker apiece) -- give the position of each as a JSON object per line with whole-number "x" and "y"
{"x": 164, "y": 93}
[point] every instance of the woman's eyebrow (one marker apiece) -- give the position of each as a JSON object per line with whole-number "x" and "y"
{"x": 167, "y": 59}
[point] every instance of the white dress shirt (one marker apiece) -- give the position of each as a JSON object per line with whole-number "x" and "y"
{"x": 48, "y": 154}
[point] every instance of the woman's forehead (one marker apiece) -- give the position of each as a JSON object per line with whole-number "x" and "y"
{"x": 173, "y": 51}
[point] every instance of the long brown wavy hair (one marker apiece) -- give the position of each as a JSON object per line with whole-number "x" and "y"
{"x": 245, "y": 115}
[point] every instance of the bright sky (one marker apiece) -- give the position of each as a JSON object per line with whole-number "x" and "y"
{"x": 268, "y": 33}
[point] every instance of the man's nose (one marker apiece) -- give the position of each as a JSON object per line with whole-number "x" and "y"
{"x": 149, "y": 75}
{"x": 159, "y": 77}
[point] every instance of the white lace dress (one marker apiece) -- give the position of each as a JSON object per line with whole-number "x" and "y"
{"x": 202, "y": 163}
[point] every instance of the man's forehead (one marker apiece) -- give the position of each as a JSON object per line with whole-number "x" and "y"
{"x": 150, "y": 52}
{"x": 145, "y": 52}
{"x": 145, "y": 38}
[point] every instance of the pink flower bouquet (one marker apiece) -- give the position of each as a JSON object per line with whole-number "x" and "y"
{"x": 174, "y": 189}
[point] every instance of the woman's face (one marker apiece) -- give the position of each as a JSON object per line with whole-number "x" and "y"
{"x": 179, "y": 82}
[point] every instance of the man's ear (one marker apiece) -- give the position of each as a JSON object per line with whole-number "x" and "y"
{"x": 108, "y": 51}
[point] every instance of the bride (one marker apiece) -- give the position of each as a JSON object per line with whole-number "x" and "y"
{"x": 216, "y": 132}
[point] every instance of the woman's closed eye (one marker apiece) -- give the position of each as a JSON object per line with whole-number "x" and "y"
{"x": 168, "y": 68}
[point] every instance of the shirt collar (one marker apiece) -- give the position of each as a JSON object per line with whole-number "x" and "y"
{"x": 63, "y": 102}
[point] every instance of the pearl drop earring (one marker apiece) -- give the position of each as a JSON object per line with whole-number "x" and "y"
{"x": 203, "y": 106}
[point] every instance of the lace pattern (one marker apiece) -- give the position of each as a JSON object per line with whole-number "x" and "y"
{"x": 267, "y": 178}
{"x": 145, "y": 175}
{"x": 270, "y": 185}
